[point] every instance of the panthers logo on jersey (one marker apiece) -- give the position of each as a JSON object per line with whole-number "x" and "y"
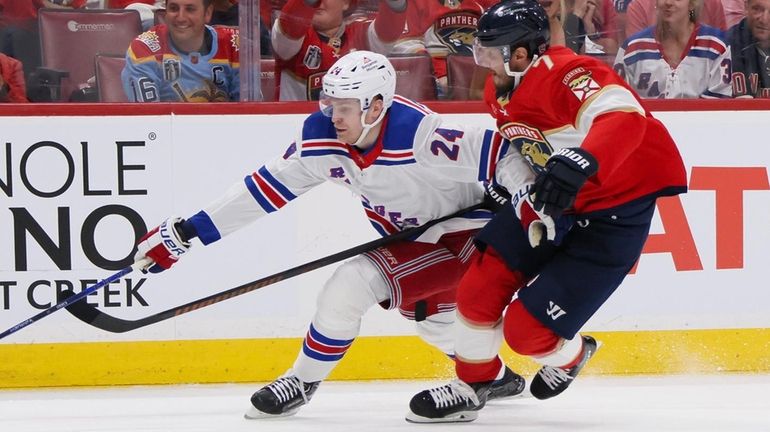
{"x": 530, "y": 142}
{"x": 456, "y": 31}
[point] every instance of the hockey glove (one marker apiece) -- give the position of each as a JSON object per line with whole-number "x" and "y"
{"x": 538, "y": 226}
{"x": 495, "y": 197}
{"x": 163, "y": 245}
{"x": 558, "y": 184}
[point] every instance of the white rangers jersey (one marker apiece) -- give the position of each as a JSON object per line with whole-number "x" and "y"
{"x": 704, "y": 72}
{"x": 420, "y": 169}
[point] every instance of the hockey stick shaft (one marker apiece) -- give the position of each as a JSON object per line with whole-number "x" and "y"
{"x": 91, "y": 315}
{"x": 68, "y": 300}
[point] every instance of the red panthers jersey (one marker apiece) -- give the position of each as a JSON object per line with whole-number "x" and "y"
{"x": 299, "y": 77}
{"x": 441, "y": 27}
{"x": 568, "y": 100}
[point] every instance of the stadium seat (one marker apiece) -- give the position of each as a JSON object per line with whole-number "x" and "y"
{"x": 108, "y": 82}
{"x": 159, "y": 16}
{"x": 70, "y": 40}
{"x": 414, "y": 77}
{"x": 267, "y": 79}
{"x": 462, "y": 74}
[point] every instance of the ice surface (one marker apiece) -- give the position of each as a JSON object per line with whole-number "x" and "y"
{"x": 651, "y": 404}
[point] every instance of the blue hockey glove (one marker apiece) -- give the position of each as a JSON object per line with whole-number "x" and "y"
{"x": 560, "y": 181}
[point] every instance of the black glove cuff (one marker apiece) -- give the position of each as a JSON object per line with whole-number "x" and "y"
{"x": 495, "y": 196}
{"x": 186, "y": 231}
{"x": 576, "y": 159}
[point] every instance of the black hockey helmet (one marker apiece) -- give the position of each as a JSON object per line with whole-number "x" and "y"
{"x": 515, "y": 23}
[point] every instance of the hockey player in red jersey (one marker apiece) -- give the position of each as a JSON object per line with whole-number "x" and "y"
{"x": 310, "y": 35}
{"x": 573, "y": 230}
{"x": 409, "y": 166}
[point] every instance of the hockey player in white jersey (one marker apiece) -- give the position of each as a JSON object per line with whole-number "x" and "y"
{"x": 409, "y": 167}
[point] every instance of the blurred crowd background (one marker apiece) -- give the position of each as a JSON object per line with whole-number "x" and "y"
{"x": 278, "y": 50}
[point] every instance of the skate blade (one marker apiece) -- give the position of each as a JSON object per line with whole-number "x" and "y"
{"x": 463, "y": 416}
{"x": 524, "y": 394}
{"x": 255, "y": 414}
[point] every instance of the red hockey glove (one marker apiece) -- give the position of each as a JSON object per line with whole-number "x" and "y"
{"x": 163, "y": 245}
{"x": 557, "y": 186}
{"x": 538, "y": 226}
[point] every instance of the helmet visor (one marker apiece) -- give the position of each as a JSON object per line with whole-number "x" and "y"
{"x": 488, "y": 57}
{"x": 331, "y": 106}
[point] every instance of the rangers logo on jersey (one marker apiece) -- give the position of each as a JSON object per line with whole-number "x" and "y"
{"x": 529, "y": 141}
{"x": 583, "y": 86}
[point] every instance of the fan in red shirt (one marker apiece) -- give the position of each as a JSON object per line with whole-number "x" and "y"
{"x": 310, "y": 35}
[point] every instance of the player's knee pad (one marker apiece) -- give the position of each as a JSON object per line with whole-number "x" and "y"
{"x": 525, "y": 334}
{"x": 353, "y": 288}
{"x": 486, "y": 289}
{"x": 438, "y": 330}
{"x": 477, "y": 343}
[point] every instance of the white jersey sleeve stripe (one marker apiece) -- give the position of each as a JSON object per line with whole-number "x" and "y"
{"x": 251, "y": 185}
{"x": 492, "y": 150}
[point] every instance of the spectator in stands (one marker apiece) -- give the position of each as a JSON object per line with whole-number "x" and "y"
{"x": 441, "y": 28}
{"x": 677, "y": 58}
{"x": 12, "y": 88}
{"x": 19, "y": 36}
{"x": 599, "y": 22}
{"x": 621, "y": 6}
{"x": 642, "y": 14}
{"x": 735, "y": 11}
{"x": 184, "y": 60}
{"x": 226, "y": 13}
{"x": 310, "y": 35}
{"x": 750, "y": 46}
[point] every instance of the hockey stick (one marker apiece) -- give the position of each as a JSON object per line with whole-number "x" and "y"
{"x": 91, "y": 315}
{"x": 70, "y": 297}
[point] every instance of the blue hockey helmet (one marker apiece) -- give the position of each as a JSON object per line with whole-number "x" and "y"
{"x": 515, "y": 23}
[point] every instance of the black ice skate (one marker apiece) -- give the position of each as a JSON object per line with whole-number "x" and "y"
{"x": 283, "y": 397}
{"x": 551, "y": 381}
{"x": 511, "y": 384}
{"x": 453, "y": 402}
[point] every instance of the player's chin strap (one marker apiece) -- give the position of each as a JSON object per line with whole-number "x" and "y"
{"x": 517, "y": 76}
{"x": 367, "y": 127}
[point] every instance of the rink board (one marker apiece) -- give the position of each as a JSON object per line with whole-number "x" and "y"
{"x": 76, "y": 190}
